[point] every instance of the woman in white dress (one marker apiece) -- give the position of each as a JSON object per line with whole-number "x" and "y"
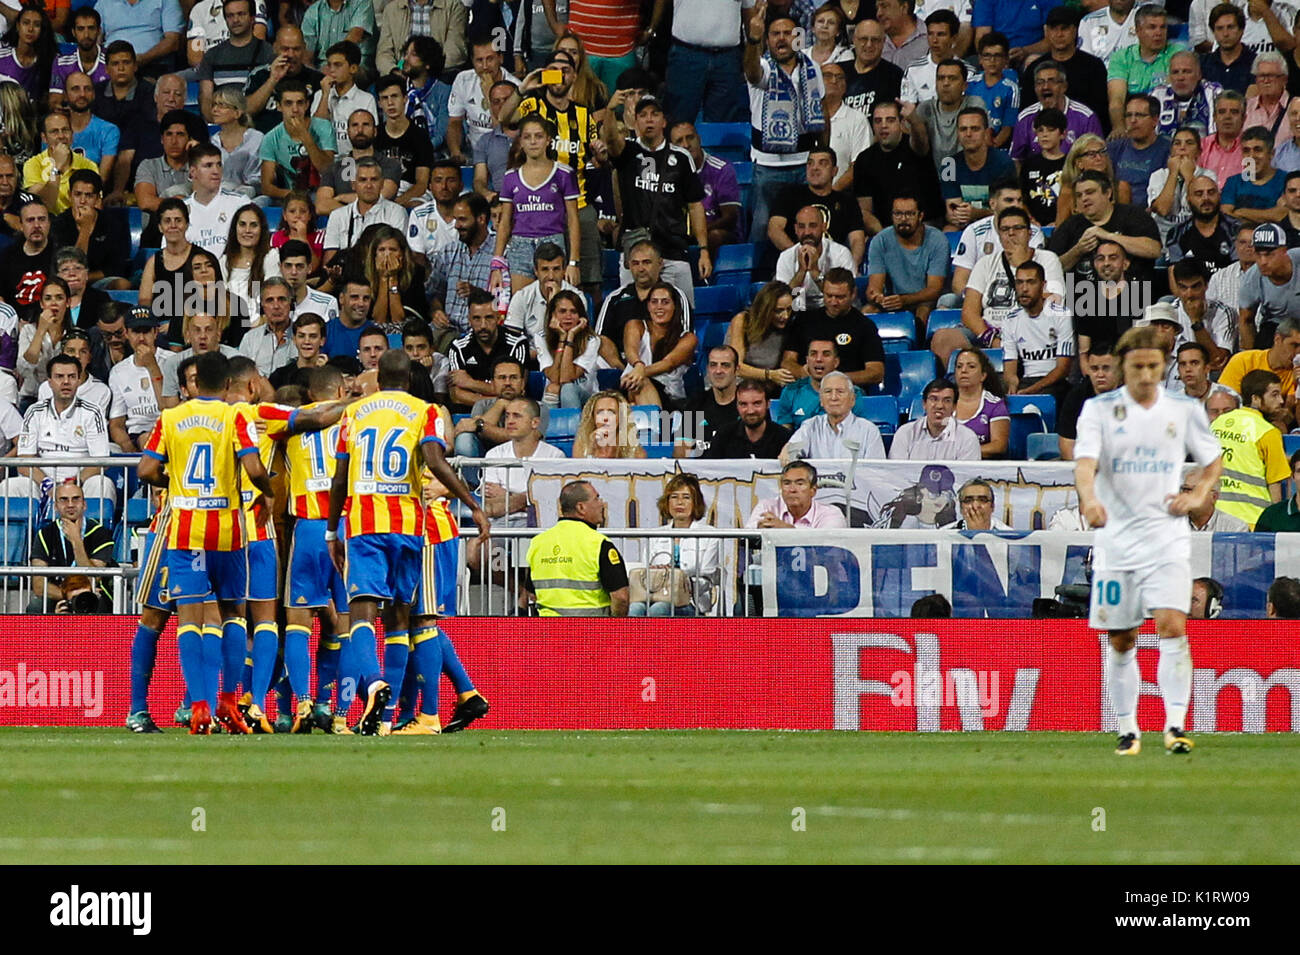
{"x": 246, "y": 262}
{"x": 681, "y": 507}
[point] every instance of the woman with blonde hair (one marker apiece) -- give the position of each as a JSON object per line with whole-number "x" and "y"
{"x": 21, "y": 135}
{"x": 605, "y": 429}
{"x": 587, "y": 88}
{"x": 681, "y": 507}
{"x": 1088, "y": 152}
{"x": 758, "y": 336}
{"x": 240, "y": 144}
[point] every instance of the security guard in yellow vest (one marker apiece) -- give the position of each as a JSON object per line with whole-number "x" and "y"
{"x": 1254, "y": 462}
{"x": 573, "y": 569}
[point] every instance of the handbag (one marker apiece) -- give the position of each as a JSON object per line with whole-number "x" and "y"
{"x": 650, "y": 585}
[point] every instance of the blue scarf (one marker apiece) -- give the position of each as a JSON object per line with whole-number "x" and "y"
{"x": 787, "y": 115}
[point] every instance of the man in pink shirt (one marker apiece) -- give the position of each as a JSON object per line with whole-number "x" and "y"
{"x": 1221, "y": 152}
{"x": 796, "y": 507}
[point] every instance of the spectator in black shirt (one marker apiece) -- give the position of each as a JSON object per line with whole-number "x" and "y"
{"x": 889, "y": 167}
{"x": 123, "y": 99}
{"x": 870, "y": 78}
{"x": 862, "y": 356}
{"x": 1100, "y": 376}
{"x": 1085, "y": 74}
{"x": 308, "y": 339}
{"x": 1106, "y": 308}
{"x": 473, "y": 355}
{"x": 263, "y": 83}
{"x": 103, "y": 234}
{"x": 1099, "y": 218}
{"x": 1231, "y": 64}
{"x": 26, "y": 264}
{"x": 70, "y": 540}
{"x": 11, "y": 197}
{"x": 661, "y": 191}
{"x": 753, "y": 434}
{"x": 715, "y": 406}
{"x": 646, "y": 266}
{"x": 843, "y": 216}
{"x": 1208, "y": 236}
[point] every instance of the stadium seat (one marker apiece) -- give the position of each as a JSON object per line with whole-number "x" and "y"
{"x": 192, "y": 95}
{"x": 954, "y": 239}
{"x": 129, "y": 296}
{"x": 740, "y": 281}
{"x": 881, "y": 410}
{"x": 564, "y": 444}
{"x": 645, "y": 418}
{"x": 896, "y": 327}
{"x": 744, "y": 173}
{"x": 861, "y": 283}
{"x": 942, "y": 318}
{"x": 563, "y": 423}
{"x": 1043, "y": 447}
{"x": 610, "y": 261}
{"x": 135, "y": 224}
{"x": 754, "y": 289}
{"x": 716, "y": 301}
{"x": 1048, "y": 230}
{"x": 730, "y": 141}
{"x": 917, "y": 410}
{"x": 1022, "y": 426}
{"x": 1042, "y": 405}
{"x": 15, "y": 529}
{"x": 906, "y": 373}
{"x": 1290, "y": 444}
{"x": 607, "y": 379}
{"x": 137, "y": 510}
{"x": 714, "y": 336}
{"x": 733, "y": 258}
{"x": 536, "y": 385}
{"x": 994, "y": 356}
{"x": 659, "y": 450}
{"x": 467, "y": 177}
{"x": 101, "y": 509}
{"x": 273, "y": 214}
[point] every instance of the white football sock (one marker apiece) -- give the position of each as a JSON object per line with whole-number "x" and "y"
{"x": 1174, "y": 674}
{"x": 1123, "y": 683}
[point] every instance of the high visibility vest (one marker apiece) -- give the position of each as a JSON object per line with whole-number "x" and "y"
{"x": 1243, "y": 489}
{"x": 565, "y": 566}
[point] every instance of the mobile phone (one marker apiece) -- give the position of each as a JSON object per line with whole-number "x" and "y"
{"x": 552, "y": 76}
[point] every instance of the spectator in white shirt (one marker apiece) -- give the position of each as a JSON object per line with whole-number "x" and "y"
{"x": 937, "y": 436}
{"x": 137, "y": 383}
{"x": 838, "y": 433}
{"x": 344, "y": 227}
{"x": 567, "y": 352}
{"x": 528, "y": 306}
{"x": 212, "y": 208}
{"x": 339, "y": 96}
{"x": 682, "y": 507}
{"x": 813, "y": 255}
{"x": 91, "y": 390}
{"x": 976, "y": 500}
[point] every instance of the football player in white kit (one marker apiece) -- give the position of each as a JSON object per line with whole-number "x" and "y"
{"x": 1130, "y": 452}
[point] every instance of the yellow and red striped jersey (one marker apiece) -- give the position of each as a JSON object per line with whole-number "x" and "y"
{"x": 271, "y": 421}
{"x": 200, "y": 442}
{"x": 380, "y": 437}
{"x": 309, "y": 458}
{"x": 439, "y": 523}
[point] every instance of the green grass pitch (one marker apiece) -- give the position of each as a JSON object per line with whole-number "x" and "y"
{"x": 105, "y": 796}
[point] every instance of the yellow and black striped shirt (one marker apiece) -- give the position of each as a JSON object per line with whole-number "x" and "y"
{"x": 575, "y": 128}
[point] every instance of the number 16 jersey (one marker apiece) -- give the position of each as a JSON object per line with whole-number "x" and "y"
{"x": 380, "y": 437}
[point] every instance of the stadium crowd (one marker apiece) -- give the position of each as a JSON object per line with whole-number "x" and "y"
{"x": 858, "y": 229}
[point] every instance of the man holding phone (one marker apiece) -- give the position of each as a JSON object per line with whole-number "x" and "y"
{"x": 289, "y": 63}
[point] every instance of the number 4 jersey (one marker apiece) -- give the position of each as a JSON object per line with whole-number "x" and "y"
{"x": 200, "y": 442}
{"x": 380, "y": 437}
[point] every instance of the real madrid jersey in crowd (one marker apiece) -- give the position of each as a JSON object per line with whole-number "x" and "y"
{"x": 657, "y": 186}
{"x": 995, "y": 280}
{"x": 1140, "y": 454}
{"x": 210, "y": 224}
{"x": 1037, "y": 341}
{"x": 981, "y": 238}
{"x": 1101, "y": 36}
{"x": 427, "y": 232}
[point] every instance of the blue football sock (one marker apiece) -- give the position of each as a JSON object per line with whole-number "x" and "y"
{"x": 234, "y": 649}
{"x": 189, "y": 641}
{"x": 451, "y": 666}
{"x": 397, "y": 650}
{"x": 266, "y": 644}
{"x": 410, "y": 694}
{"x": 297, "y": 659}
{"x": 346, "y": 684}
{"x": 429, "y": 663}
{"x": 327, "y": 667}
{"x": 365, "y": 658}
{"x": 212, "y": 663}
{"x": 144, "y": 651}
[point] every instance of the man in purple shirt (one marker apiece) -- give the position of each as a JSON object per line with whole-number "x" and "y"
{"x": 1050, "y": 85}
{"x": 721, "y": 189}
{"x": 87, "y": 58}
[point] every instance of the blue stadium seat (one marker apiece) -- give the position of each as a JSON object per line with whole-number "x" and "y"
{"x": 273, "y": 214}
{"x": 563, "y": 423}
{"x": 658, "y": 450}
{"x": 1290, "y": 444}
{"x": 1043, "y": 447}
{"x": 917, "y": 410}
{"x": 66, "y": 48}
{"x": 137, "y": 510}
{"x": 1042, "y": 405}
{"x": 744, "y": 173}
{"x": 740, "y": 281}
{"x": 994, "y": 356}
{"x": 942, "y": 318}
{"x": 861, "y": 283}
{"x": 1022, "y": 426}
{"x": 564, "y": 444}
{"x": 735, "y": 258}
{"x": 101, "y": 509}
{"x": 536, "y": 385}
{"x": 610, "y": 260}
{"x": 714, "y": 335}
{"x": 906, "y": 373}
{"x": 15, "y": 529}
{"x": 1048, "y": 230}
{"x": 135, "y": 223}
{"x": 129, "y": 296}
{"x": 192, "y": 94}
{"x": 467, "y": 177}
{"x": 895, "y": 327}
{"x": 754, "y": 289}
{"x": 721, "y": 301}
{"x": 882, "y": 410}
{"x": 607, "y": 379}
{"x": 954, "y": 239}
{"x": 646, "y": 419}
{"x": 730, "y": 141}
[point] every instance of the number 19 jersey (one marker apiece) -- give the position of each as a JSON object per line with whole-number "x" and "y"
{"x": 380, "y": 437}
{"x": 200, "y": 442}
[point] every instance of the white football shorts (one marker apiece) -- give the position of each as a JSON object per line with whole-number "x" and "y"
{"x": 1121, "y": 599}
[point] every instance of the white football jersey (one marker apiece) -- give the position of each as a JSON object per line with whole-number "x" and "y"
{"x": 1140, "y": 454}
{"x": 981, "y": 238}
{"x": 1038, "y": 342}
